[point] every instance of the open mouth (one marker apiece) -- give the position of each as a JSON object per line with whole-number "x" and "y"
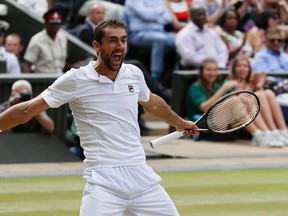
{"x": 116, "y": 58}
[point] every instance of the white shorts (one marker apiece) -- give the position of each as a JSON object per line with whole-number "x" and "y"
{"x": 133, "y": 190}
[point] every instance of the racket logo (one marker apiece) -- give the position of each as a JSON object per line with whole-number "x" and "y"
{"x": 131, "y": 88}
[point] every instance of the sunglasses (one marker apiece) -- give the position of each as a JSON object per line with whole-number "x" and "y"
{"x": 273, "y": 40}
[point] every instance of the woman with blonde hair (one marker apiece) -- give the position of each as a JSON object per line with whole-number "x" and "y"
{"x": 269, "y": 128}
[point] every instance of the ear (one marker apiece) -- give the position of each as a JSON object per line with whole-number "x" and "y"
{"x": 96, "y": 46}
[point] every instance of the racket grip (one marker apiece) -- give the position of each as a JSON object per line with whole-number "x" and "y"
{"x": 166, "y": 138}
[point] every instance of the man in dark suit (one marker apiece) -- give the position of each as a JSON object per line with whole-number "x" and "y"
{"x": 85, "y": 31}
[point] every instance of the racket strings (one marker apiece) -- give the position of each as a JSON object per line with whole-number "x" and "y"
{"x": 232, "y": 113}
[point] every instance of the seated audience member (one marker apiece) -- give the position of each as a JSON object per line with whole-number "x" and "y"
{"x": 85, "y": 32}
{"x": 112, "y": 10}
{"x": 22, "y": 91}
{"x": 234, "y": 39}
{"x": 269, "y": 128}
{"x": 271, "y": 58}
{"x": 248, "y": 12}
{"x": 11, "y": 64}
{"x": 13, "y": 44}
{"x": 146, "y": 20}
{"x": 47, "y": 50}
{"x": 256, "y": 35}
{"x": 204, "y": 92}
{"x": 196, "y": 41}
{"x": 214, "y": 9}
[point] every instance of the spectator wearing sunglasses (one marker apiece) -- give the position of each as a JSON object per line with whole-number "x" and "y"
{"x": 272, "y": 57}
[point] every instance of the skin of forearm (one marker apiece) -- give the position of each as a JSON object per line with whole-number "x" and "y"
{"x": 15, "y": 115}
{"x": 161, "y": 110}
{"x": 205, "y": 105}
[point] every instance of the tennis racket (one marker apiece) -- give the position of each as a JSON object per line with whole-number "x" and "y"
{"x": 229, "y": 113}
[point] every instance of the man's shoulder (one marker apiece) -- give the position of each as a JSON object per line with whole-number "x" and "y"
{"x": 130, "y": 67}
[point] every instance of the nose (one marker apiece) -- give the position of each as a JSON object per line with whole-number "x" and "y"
{"x": 120, "y": 45}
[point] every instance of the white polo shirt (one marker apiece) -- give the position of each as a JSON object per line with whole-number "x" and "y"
{"x": 105, "y": 112}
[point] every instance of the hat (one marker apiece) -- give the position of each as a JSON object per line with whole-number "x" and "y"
{"x": 53, "y": 16}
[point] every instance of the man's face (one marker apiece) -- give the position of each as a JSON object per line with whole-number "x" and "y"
{"x": 12, "y": 44}
{"x": 52, "y": 29}
{"x": 273, "y": 42}
{"x": 198, "y": 17}
{"x": 97, "y": 14}
{"x": 113, "y": 47}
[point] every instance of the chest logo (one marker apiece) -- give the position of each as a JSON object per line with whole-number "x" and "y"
{"x": 131, "y": 88}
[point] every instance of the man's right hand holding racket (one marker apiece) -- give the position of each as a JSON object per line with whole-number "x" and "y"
{"x": 159, "y": 108}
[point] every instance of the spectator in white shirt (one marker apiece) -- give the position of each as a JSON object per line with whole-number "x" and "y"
{"x": 196, "y": 41}
{"x": 9, "y": 62}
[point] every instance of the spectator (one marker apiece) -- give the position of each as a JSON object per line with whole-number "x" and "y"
{"x": 269, "y": 128}
{"x": 196, "y": 41}
{"x": 234, "y": 39}
{"x": 85, "y": 32}
{"x": 112, "y": 10}
{"x": 47, "y": 50}
{"x": 22, "y": 91}
{"x": 248, "y": 12}
{"x": 256, "y": 35}
{"x": 13, "y": 44}
{"x": 271, "y": 58}
{"x": 214, "y": 9}
{"x": 146, "y": 20}
{"x": 9, "y": 62}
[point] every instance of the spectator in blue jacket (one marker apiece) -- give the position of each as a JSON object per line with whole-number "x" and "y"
{"x": 146, "y": 20}
{"x": 272, "y": 57}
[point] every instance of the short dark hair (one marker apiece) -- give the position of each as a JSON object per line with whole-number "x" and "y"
{"x": 100, "y": 28}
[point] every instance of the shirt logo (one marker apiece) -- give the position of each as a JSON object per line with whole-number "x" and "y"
{"x": 131, "y": 88}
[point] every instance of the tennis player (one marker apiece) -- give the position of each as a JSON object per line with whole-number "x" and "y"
{"x": 103, "y": 97}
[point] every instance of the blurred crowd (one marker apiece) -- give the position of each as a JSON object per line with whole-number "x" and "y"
{"x": 164, "y": 36}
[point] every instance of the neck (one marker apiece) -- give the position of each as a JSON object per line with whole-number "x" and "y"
{"x": 104, "y": 71}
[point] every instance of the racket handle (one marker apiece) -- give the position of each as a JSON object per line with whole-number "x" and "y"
{"x": 169, "y": 137}
{"x": 166, "y": 138}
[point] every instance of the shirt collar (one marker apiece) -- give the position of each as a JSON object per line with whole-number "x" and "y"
{"x": 90, "y": 23}
{"x": 272, "y": 52}
{"x": 93, "y": 74}
{"x": 197, "y": 29}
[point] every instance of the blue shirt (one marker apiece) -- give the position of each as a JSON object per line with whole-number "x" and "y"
{"x": 142, "y": 15}
{"x": 266, "y": 60}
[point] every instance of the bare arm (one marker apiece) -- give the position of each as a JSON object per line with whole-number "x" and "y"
{"x": 46, "y": 122}
{"x": 27, "y": 67}
{"x": 224, "y": 88}
{"x": 159, "y": 108}
{"x": 22, "y": 112}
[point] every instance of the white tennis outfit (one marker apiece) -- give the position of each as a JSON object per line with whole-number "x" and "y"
{"x": 118, "y": 180}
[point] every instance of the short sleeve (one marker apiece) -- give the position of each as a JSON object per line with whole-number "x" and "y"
{"x": 61, "y": 91}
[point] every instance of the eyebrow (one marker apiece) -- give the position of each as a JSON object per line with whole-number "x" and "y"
{"x": 115, "y": 37}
